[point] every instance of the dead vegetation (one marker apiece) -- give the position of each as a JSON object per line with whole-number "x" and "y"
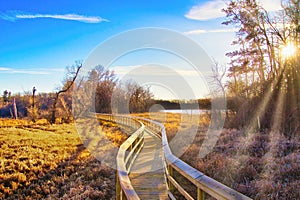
{"x": 49, "y": 161}
{"x": 261, "y": 165}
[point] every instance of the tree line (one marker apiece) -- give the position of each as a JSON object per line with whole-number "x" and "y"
{"x": 99, "y": 91}
{"x": 57, "y": 105}
{"x": 264, "y": 68}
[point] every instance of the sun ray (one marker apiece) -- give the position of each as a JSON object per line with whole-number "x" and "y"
{"x": 288, "y": 50}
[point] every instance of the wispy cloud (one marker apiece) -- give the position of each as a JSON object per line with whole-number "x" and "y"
{"x": 202, "y": 31}
{"x": 30, "y": 72}
{"x": 7, "y": 70}
{"x": 212, "y": 9}
{"x": 16, "y": 15}
{"x": 209, "y": 10}
{"x": 4, "y": 69}
{"x": 73, "y": 17}
{"x": 152, "y": 70}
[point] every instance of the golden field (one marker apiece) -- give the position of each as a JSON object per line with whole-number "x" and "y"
{"x": 49, "y": 161}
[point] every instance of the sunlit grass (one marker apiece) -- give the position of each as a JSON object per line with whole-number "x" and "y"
{"x": 49, "y": 161}
{"x": 261, "y": 165}
{"x": 174, "y": 122}
{"x": 36, "y": 159}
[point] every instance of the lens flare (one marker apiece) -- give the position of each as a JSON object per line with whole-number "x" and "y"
{"x": 288, "y": 50}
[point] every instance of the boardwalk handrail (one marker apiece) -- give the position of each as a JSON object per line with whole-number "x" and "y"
{"x": 127, "y": 153}
{"x": 126, "y": 157}
{"x": 203, "y": 183}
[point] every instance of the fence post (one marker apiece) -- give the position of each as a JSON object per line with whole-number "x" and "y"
{"x": 171, "y": 186}
{"x": 15, "y": 109}
{"x": 200, "y": 194}
{"x": 118, "y": 187}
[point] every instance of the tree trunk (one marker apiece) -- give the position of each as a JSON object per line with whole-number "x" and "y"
{"x": 53, "y": 117}
{"x": 15, "y": 109}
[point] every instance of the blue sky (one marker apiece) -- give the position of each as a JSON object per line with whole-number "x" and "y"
{"x": 38, "y": 39}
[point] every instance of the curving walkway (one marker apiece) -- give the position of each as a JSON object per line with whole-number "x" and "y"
{"x": 145, "y": 162}
{"x": 147, "y": 175}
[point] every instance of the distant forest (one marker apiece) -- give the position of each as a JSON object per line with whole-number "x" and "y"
{"x": 58, "y": 105}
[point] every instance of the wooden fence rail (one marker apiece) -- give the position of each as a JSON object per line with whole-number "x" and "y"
{"x": 127, "y": 154}
{"x": 204, "y": 184}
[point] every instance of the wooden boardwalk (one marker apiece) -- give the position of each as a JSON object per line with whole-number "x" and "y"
{"x": 147, "y": 175}
{"x": 141, "y": 175}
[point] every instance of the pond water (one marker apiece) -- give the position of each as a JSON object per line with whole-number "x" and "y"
{"x": 186, "y": 111}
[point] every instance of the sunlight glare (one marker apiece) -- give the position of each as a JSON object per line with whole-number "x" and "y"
{"x": 288, "y": 50}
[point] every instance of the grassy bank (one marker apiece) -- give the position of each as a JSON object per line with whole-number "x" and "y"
{"x": 49, "y": 161}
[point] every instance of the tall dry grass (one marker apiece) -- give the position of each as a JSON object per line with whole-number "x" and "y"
{"x": 49, "y": 161}
{"x": 261, "y": 165}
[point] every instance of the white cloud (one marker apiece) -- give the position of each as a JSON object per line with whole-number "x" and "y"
{"x": 7, "y": 17}
{"x": 56, "y": 69}
{"x": 5, "y": 70}
{"x": 151, "y": 70}
{"x": 14, "y": 15}
{"x": 73, "y": 17}
{"x": 212, "y": 9}
{"x": 122, "y": 70}
{"x": 271, "y": 5}
{"x": 202, "y": 31}
{"x": 31, "y": 72}
{"x": 209, "y": 10}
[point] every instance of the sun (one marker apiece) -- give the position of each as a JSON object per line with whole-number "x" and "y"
{"x": 288, "y": 50}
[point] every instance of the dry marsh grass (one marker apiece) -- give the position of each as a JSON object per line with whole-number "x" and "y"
{"x": 49, "y": 161}
{"x": 44, "y": 161}
{"x": 261, "y": 165}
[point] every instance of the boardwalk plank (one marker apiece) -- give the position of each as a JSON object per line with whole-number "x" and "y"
{"x": 147, "y": 176}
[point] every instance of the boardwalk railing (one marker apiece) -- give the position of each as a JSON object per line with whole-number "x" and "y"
{"x": 127, "y": 154}
{"x": 204, "y": 184}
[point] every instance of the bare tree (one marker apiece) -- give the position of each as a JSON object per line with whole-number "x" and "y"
{"x": 5, "y": 96}
{"x": 105, "y": 84}
{"x": 218, "y": 75}
{"x": 70, "y": 79}
{"x": 33, "y": 105}
{"x": 140, "y": 98}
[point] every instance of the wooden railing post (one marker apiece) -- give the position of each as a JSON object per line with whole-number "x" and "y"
{"x": 171, "y": 186}
{"x": 200, "y": 194}
{"x": 118, "y": 187}
{"x": 123, "y": 196}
